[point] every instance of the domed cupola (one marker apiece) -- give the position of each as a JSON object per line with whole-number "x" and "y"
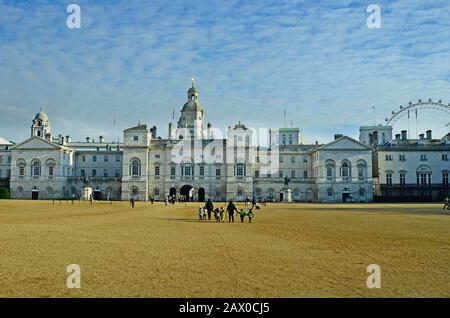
{"x": 190, "y": 124}
{"x": 41, "y": 126}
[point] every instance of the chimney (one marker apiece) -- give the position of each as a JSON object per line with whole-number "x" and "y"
{"x": 68, "y": 138}
{"x": 100, "y": 138}
{"x": 337, "y": 136}
{"x": 421, "y": 136}
{"x": 404, "y": 135}
{"x": 428, "y": 132}
{"x": 62, "y": 141}
{"x": 397, "y": 137}
{"x": 88, "y": 139}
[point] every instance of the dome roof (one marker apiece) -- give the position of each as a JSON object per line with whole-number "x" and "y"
{"x": 192, "y": 105}
{"x": 41, "y": 116}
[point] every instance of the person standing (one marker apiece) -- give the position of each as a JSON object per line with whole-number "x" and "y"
{"x": 250, "y": 216}
{"x": 132, "y": 201}
{"x": 209, "y": 208}
{"x": 446, "y": 203}
{"x": 222, "y": 212}
{"x": 231, "y": 208}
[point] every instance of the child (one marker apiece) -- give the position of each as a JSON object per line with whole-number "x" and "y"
{"x": 242, "y": 215}
{"x": 250, "y": 215}
{"x": 217, "y": 215}
{"x": 203, "y": 213}
{"x": 222, "y": 212}
{"x": 200, "y": 213}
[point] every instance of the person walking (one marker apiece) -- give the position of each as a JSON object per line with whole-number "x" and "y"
{"x": 231, "y": 208}
{"x": 446, "y": 203}
{"x": 221, "y": 212}
{"x": 132, "y": 201}
{"x": 209, "y": 208}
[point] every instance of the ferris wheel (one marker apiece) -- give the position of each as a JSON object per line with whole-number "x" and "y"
{"x": 406, "y": 110}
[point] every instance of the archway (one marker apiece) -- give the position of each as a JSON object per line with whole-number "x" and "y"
{"x": 172, "y": 192}
{"x": 201, "y": 195}
{"x": 186, "y": 191}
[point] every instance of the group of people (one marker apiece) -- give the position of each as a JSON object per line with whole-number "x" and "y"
{"x": 219, "y": 213}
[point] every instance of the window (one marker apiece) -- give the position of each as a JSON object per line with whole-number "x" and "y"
{"x": 94, "y": 158}
{"x": 292, "y": 159}
{"x": 401, "y": 158}
{"x": 305, "y": 159}
{"x": 50, "y": 171}
{"x": 293, "y": 174}
{"x": 305, "y": 174}
{"x": 172, "y": 172}
{"x": 329, "y": 173}
{"x": 135, "y": 138}
{"x": 94, "y": 172}
{"x": 135, "y": 168}
{"x": 423, "y": 179}
{"x": 83, "y": 158}
{"x": 105, "y": 172}
{"x": 156, "y": 191}
{"x": 105, "y": 158}
{"x": 117, "y": 173}
{"x": 362, "y": 192}
{"x": 389, "y": 179}
{"x": 445, "y": 179}
{"x": 330, "y": 192}
{"x": 157, "y": 156}
{"x": 157, "y": 171}
{"x": 445, "y": 157}
{"x": 388, "y": 158}
{"x": 269, "y": 175}
{"x": 218, "y": 173}
{"x": 9, "y": 159}
{"x": 281, "y": 159}
{"x": 256, "y": 174}
{"x": 117, "y": 158}
{"x": 187, "y": 170}
{"x": 423, "y": 158}
{"x": 82, "y": 172}
{"x": 202, "y": 171}
{"x": 345, "y": 171}
{"x": 402, "y": 179}
{"x": 240, "y": 170}
{"x": 36, "y": 169}
{"x": 217, "y": 192}
{"x": 280, "y": 174}
{"x": 240, "y": 193}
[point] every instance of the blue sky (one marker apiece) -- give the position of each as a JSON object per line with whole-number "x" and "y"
{"x": 133, "y": 60}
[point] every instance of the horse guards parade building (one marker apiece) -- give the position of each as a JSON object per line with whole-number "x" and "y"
{"x": 196, "y": 164}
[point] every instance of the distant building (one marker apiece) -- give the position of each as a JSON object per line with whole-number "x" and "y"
{"x": 284, "y": 136}
{"x": 412, "y": 169}
{"x": 374, "y": 136}
{"x": 191, "y": 163}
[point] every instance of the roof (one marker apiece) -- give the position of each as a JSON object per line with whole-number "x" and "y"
{"x": 3, "y": 141}
{"x": 192, "y": 105}
{"x": 41, "y": 116}
{"x": 138, "y": 127}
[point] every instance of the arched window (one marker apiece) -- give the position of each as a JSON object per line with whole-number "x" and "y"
{"x": 329, "y": 166}
{"x": 345, "y": 171}
{"x": 362, "y": 170}
{"x": 36, "y": 169}
{"x": 135, "y": 168}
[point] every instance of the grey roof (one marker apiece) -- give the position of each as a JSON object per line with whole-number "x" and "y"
{"x": 41, "y": 116}
{"x": 192, "y": 105}
{"x": 138, "y": 127}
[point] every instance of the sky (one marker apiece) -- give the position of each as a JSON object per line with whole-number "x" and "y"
{"x": 134, "y": 60}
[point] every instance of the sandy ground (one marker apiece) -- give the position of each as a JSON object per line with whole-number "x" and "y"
{"x": 291, "y": 250}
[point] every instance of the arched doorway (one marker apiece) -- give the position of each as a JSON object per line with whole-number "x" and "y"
{"x": 345, "y": 195}
{"x": 186, "y": 192}
{"x": 201, "y": 195}
{"x": 281, "y": 196}
{"x": 97, "y": 193}
{"x": 172, "y": 192}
